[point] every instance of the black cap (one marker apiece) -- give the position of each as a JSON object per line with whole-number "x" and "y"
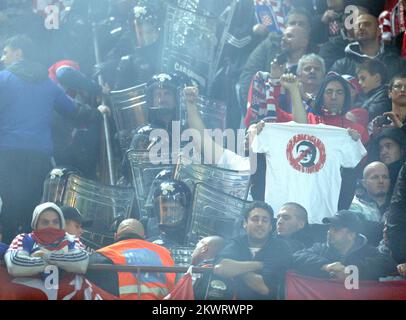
{"x": 344, "y": 219}
{"x": 71, "y": 213}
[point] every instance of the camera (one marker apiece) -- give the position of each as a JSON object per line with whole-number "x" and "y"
{"x": 382, "y": 120}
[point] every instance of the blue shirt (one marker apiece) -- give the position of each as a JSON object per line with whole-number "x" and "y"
{"x": 26, "y": 112}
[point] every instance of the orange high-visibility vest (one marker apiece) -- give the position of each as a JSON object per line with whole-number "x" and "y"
{"x": 150, "y": 285}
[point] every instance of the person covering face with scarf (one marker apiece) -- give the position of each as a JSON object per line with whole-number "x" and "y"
{"x": 48, "y": 244}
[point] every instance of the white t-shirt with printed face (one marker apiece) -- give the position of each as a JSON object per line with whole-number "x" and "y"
{"x": 303, "y": 165}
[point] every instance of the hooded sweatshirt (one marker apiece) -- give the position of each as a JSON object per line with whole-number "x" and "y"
{"x": 354, "y": 57}
{"x": 22, "y": 259}
{"x": 321, "y": 115}
{"x": 27, "y": 99}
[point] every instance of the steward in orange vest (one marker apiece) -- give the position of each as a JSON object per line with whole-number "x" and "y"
{"x": 130, "y": 248}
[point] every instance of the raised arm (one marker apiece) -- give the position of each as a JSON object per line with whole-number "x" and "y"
{"x": 291, "y": 84}
{"x": 195, "y": 122}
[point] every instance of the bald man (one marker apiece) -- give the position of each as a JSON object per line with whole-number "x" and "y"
{"x": 130, "y": 248}
{"x": 373, "y": 203}
{"x": 292, "y": 226}
{"x": 368, "y": 46}
{"x": 207, "y": 249}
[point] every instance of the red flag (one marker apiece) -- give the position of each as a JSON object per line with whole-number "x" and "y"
{"x": 71, "y": 287}
{"x": 300, "y": 287}
{"x": 183, "y": 290}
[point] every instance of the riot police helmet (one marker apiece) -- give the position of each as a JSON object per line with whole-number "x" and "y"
{"x": 171, "y": 203}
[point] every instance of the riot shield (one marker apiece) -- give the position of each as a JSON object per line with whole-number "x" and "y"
{"x": 189, "y": 44}
{"x": 55, "y": 184}
{"x": 100, "y": 203}
{"x": 212, "y": 112}
{"x": 235, "y": 183}
{"x": 129, "y": 110}
{"x": 215, "y": 213}
{"x": 182, "y": 255}
{"x": 143, "y": 173}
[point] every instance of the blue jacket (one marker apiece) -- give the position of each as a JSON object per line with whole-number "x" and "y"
{"x": 27, "y": 100}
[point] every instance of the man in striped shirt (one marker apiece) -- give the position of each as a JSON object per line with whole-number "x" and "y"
{"x": 48, "y": 244}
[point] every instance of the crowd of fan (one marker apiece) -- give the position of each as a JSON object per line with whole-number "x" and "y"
{"x": 314, "y": 68}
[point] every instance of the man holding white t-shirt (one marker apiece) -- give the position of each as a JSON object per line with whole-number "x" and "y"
{"x": 292, "y": 176}
{"x": 303, "y": 165}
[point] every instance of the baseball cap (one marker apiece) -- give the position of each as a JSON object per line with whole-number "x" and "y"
{"x": 71, "y": 213}
{"x": 344, "y": 219}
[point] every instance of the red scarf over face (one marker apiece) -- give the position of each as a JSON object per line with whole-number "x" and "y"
{"x": 50, "y": 238}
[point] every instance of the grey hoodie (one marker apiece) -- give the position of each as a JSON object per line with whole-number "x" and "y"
{"x": 41, "y": 208}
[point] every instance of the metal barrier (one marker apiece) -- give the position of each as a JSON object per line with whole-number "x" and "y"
{"x": 139, "y": 269}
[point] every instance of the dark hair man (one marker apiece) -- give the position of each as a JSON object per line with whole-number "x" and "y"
{"x": 256, "y": 261}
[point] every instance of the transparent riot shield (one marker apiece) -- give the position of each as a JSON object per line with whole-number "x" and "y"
{"x": 143, "y": 173}
{"x": 214, "y": 213}
{"x": 100, "y": 203}
{"x": 55, "y": 184}
{"x": 182, "y": 255}
{"x": 129, "y": 111}
{"x": 212, "y": 112}
{"x": 189, "y": 44}
{"x": 235, "y": 183}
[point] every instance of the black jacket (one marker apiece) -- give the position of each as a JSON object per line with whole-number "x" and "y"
{"x": 333, "y": 50}
{"x": 353, "y": 58}
{"x": 306, "y": 237}
{"x": 275, "y": 257}
{"x": 259, "y": 60}
{"x": 377, "y": 102}
{"x": 396, "y": 219}
{"x": 397, "y": 135}
{"x": 370, "y": 262}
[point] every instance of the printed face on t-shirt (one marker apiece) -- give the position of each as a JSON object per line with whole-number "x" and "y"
{"x": 307, "y": 152}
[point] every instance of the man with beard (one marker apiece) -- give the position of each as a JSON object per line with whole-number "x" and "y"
{"x": 345, "y": 247}
{"x": 256, "y": 261}
{"x": 294, "y": 45}
{"x": 368, "y": 46}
